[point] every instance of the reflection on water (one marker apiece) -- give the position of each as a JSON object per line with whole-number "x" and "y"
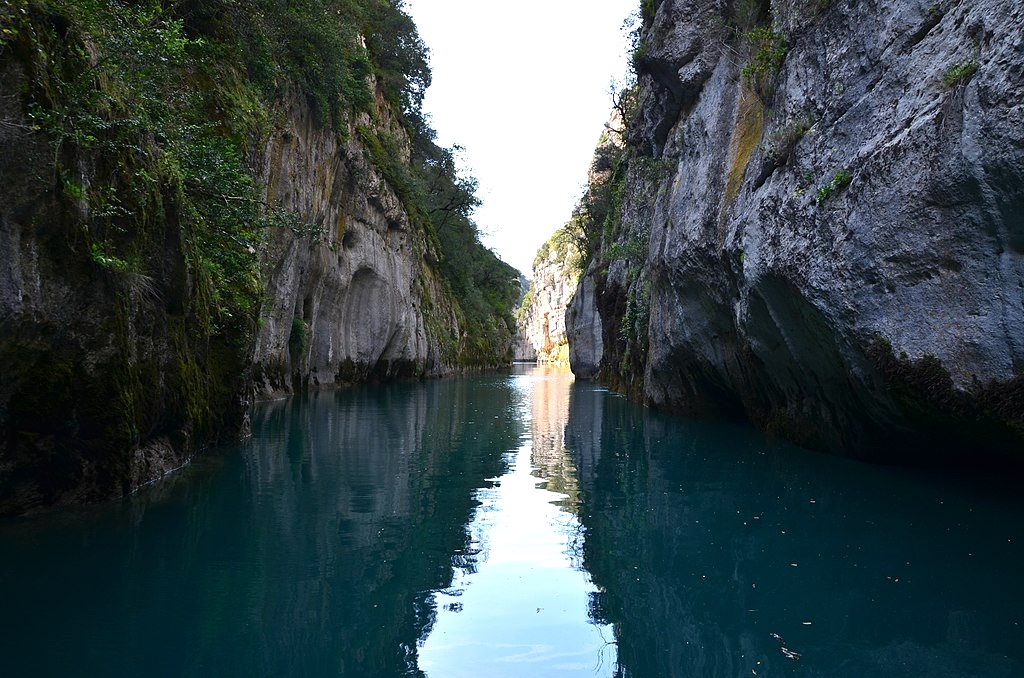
{"x": 721, "y": 554}
{"x": 313, "y": 551}
{"x": 443, "y": 528}
{"x": 518, "y": 605}
{"x": 549, "y": 414}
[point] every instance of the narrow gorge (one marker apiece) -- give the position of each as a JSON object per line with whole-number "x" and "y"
{"x": 540, "y": 320}
{"x": 804, "y": 213}
{"x": 272, "y": 402}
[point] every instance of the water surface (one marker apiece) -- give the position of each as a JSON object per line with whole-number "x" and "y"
{"x": 519, "y": 603}
{"x": 518, "y": 525}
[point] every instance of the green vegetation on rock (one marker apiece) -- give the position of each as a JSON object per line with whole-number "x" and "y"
{"x": 841, "y": 179}
{"x": 153, "y": 112}
{"x": 959, "y": 74}
{"x": 613, "y": 246}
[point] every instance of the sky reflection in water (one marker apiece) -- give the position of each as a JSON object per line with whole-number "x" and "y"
{"x": 519, "y": 603}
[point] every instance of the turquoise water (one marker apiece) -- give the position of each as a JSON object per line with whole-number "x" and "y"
{"x": 518, "y": 525}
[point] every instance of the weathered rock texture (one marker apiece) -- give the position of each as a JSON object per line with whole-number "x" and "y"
{"x": 541, "y": 323}
{"x": 92, "y": 397}
{"x": 522, "y": 349}
{"x": 161, "y": 265}
{"x": 100, "y": 390}
{"x": 348, "y": 304}
{"x": 836, "y": 246}
{"x": 606, "y": 321}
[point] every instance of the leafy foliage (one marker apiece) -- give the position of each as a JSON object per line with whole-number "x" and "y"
{"x": 440, "y": 200}
{"x": 564, "y": 244}
{"x": 323, "y": 49}
{"x": 150, "y": 106}
{"x": 116, "y": 81}
{"x": 960, "y": 73}
{"x": 768, "y": 51}
{"x": 524, "y": 305}
{"x": 648, "y": 8}
{"x": 598, "y": 216}
{"x": 147, "y": 124}
{"x": 487, "y": 289}
{"x": 837, "y": 183}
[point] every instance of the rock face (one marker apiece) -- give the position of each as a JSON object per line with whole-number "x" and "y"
{"x": 177, "y": 238}
{"x": 834, "y": 223}
{"x": 93, "y": 393}
{"x": 346, "y": 304}
{"x": 100, "y": 391}
{"x": 540, "y": 328}
{"x": 585, "y": 331}
{"x": 606, "y": 321}
{"x": 522, "y": 349}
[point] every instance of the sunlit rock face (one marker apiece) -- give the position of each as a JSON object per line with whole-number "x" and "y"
{"x": 836, "y": 226}
{"x": 541, "y": 330}
{"x": 344, "y": 303}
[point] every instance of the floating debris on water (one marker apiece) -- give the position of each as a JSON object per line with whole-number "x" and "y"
{"x": 789, "y": 654}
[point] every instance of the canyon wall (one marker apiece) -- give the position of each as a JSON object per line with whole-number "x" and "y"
{"x": 199, "y": 208}
{"x": 540, "y": 326}
{"x": 352, "y": 301}
{"x": 821, "y": 225}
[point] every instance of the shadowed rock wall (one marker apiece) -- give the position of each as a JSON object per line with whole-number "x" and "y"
{"x": 835, "y": 247}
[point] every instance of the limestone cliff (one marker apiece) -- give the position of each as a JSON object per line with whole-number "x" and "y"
{"x": 201, "y": 206}
{"x": 354, "y": 301}
{"x": 540, "y": 324}
{"x": 823, "y": 204}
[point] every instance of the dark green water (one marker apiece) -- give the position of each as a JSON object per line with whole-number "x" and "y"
{"x": 518, "y": 525}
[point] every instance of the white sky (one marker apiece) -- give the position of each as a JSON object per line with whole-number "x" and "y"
{"x": 523, "y": 86}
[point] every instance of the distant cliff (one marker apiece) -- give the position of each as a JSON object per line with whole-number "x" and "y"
{"x": 818, "y": 223}
{"x": 205, "y": 201}
{"x": 540, "y": 321}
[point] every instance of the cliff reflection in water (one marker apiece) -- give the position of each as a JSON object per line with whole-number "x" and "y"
{"x": 725, "y": 555}
{"x": 549, "y": 416}
{"x": 443, "y": 528}
{"x": 311, "y": 552}
{"x": 376, "y": 525}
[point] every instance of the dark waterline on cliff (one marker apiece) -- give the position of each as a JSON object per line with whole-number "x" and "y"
{"x": 518, "y": 525}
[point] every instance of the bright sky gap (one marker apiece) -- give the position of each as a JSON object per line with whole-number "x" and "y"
{"x": 524, "y": 88}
